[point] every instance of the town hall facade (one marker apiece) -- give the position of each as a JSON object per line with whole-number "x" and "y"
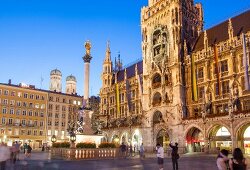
{"x": 191, "y": 86}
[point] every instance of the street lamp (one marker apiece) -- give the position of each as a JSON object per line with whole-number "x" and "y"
{"x": 72, "y": 138}
{"x": 53, "y": 139}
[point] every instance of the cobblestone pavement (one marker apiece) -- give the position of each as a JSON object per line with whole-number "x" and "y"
{"x": 41, "y": 161}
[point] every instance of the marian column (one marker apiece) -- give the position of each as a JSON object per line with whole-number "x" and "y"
{"x": 86, "y": 58}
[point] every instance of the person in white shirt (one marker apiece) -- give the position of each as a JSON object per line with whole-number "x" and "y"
{"x": 222, "y": 160}
{"x": 160, "y": 155}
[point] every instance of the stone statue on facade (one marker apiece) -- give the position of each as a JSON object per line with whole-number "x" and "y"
{"x": 230, "y": 106}
{"x": 149, "y": 95}
{"x": 236, "y": 100}
{"x": 204, "y": 110}
{"x": 180, "y": 109}
{"x": 208, "y": 104}
{"x": 209, "y": 107}
{"x": 171, "y": 94}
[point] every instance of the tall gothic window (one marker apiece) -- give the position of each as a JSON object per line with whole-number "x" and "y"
{"x": 156, "y": 82}
{"x": 200, "y": 73}
{"x": 157, "y": 117}
{"x": 225, "y": 87}
{"x": 157, "y": 99}
{"x": 224, "y": 66}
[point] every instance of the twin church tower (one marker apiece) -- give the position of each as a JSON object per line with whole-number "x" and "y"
{"x": 56, "y": 82}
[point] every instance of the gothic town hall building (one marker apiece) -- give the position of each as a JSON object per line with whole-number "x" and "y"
{"x": 191, "y": 86}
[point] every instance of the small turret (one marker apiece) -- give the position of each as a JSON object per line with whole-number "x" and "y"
{"x": 71, "y": 84}
{"x": 56, "y": 80}
{"x": 118, "y": 64}
{"x": 107, "y": 68}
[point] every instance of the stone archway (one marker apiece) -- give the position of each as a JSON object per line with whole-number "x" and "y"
{"x": 115, "y": 139}
{"x": 104, "y": 138}
{"x": 157, "y": 117}
{"x": 163, "y": 138}
{"x": 243, "y": 138}
{"x": 136, "y": 140}
{"x": 157, "y": 99}
{"x": 219, "y": 138}
{"x": 195, "y": 140}
{"x": 124, "y": 138}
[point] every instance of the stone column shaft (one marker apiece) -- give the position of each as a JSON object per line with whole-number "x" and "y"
{"x": 86, "y": 81}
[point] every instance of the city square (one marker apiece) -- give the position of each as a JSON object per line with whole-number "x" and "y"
{"x": 40, "y": 161}
{"x": 83, "y": 89}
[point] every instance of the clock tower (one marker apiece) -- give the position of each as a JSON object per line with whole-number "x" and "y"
{"x": 169, "y": 27}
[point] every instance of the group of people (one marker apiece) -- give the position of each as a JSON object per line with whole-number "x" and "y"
{"x": 237, "y": 162}
{"x": 12, "y": 153}
{"x": 9, "y": 153}
{"x": 128, "y": 150}
{"x": 27, "y": 150}
{"x": 174, "y": 155}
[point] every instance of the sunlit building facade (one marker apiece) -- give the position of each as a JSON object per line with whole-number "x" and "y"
{"x": 23, "y": 113}
{"x": 31, "y": 115}
{"x": 62, "y": 109}
{"x": 190, "y": 87}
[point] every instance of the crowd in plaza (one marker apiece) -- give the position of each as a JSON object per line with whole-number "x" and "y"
{"x": 223, "y": 162}
{"x": 129, "y": 150}
{"x": 12, "y": 153}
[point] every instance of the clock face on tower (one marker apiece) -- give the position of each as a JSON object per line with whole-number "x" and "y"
{"x": 159, "y": 45}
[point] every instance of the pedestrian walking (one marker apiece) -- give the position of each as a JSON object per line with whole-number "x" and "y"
{"x": 123, "y": 149}
{"x": 4, "y": 155}
{"x": 238, "y": 162}
{"x": 29, "y": 149}
{"x": 174, "y": 155}
{"x": 13, "y": 153}
{"x": 222, "y": 160}
{"x": 17, "y": 149}
{"x": 142, "y": 151}
{"x": 24, "y": 148}
{"x": 160, "y": 155}
{"x": 130, "y": 150}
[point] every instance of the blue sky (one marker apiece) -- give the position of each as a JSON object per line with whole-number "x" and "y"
{"x": 37, "y": 36}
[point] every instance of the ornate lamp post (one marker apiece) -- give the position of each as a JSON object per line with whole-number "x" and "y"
{"x": 53, "y": 139}
{"x": 72, "y": 139}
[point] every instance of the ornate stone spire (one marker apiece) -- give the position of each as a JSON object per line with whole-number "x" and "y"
{"x": 87, "y": 57}
{"x": 205, "y": 41}
{"x": 108, "y": 56}
{"x": 230, "y": 30}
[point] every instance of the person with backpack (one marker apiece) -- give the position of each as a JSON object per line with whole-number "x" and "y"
{"x": 238, "y": 162}
{"x": 222, "y": 160}
{"x": 175, "y": 156}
